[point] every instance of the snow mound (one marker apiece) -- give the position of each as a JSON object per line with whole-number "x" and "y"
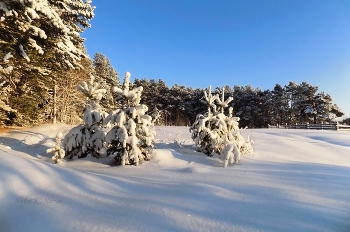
{"x": 165, "y": 157}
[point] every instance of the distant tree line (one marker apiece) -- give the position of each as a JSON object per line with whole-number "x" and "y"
{"x": 292, "y": 103}
{"x": 345, "y": 121}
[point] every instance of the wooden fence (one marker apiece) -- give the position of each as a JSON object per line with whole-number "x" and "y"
{"x": 307, "y": 126}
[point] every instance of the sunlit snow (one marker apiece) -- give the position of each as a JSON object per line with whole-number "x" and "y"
{"x": 296, "y": 180}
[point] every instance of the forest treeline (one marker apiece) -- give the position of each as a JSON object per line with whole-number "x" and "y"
{"x": 43, "y": 58}
{"x": 289, "y": 104}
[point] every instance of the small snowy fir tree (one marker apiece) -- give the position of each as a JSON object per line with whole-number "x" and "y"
{"x": 58, "y": 152}
{"x": 132, "y": 138}
{"x": 88, "y": 138}
{"x": 217, "y": 133}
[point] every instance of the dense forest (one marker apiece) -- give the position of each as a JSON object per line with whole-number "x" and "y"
{"x": 43, "y": 60}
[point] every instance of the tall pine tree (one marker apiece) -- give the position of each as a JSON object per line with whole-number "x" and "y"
{"x": 107, "y": 77}
{"x": 44, "y": 39}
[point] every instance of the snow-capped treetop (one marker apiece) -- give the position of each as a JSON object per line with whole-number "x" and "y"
{"x": 92, "y": 111}
{"x": 91, "y": 91}
{"x": 126, "y": 81}
{"x": 133, "y": 96}
{"x": 221, "y": 102}
{"x": 7, "y": 57}
{"x": 209, "y": 100}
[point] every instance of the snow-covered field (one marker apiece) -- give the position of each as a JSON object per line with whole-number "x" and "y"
{"x": 297, "y": 180}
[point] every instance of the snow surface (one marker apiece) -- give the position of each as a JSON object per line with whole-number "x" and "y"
{"x": 297, "y": 180}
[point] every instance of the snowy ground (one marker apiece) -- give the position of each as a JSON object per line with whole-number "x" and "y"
{"x": 297, "y": 180}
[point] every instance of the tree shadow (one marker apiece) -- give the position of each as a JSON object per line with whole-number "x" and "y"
{"x": 31, "y": 143}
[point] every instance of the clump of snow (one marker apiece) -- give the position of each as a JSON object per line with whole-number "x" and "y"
{"x": 230, "y": 153}
{"x": 23, "y": 53}
{"x": 32, "y": 43}
{"x": 7, "y": 57}
{"x": 5, "y": 9}
{"x": 9, "y": 68}
{"x": 165, "y": 157}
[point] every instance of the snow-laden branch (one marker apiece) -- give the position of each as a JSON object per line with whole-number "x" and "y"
{"x": 209, "y": 100}
{"x": 221, "y": 102}
{"x": 58, "y": 23}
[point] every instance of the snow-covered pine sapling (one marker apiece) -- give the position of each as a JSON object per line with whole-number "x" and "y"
{"x": 178, "y": 141}
{"x": 132, "y": 138}
{"x": 247, "y": 146}
{"x": 207, "y": 131}
{"x": 58, "y": 152}
{"x": 219, "y": 133}
{"x": 88, "y": 138}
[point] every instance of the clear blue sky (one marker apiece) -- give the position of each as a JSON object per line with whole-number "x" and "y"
{"x": 198, "y": 43}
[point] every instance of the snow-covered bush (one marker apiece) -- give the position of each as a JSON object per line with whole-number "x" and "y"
{"x": 59, "y": 153}
{"x": 217, "y": 133}
{"x": 230, "y": 153}
{"x": 88, "y": 138}
{"x": 132, "y": 138}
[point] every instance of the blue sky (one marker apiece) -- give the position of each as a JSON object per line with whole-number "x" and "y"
{"x": 197, "y": 43}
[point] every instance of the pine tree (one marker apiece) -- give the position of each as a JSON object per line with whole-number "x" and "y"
{"x": 44, "y": 38}
{"x": 279, "y": 105}
{"x": 107, "y": 77}
{"x": 245, "y": 104}
{"x": 263, "y": 108}
{"x": 326, "y": 111}
{"x": 38, "y": 26}
{"x": 214, "y": 132}
{"x": 346, "y": 121}
{"x": 305, "y": 102}
{"x": 132, "y": 138}
{"x": 68, "y": 99}
{"x": 88, "y": 138}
